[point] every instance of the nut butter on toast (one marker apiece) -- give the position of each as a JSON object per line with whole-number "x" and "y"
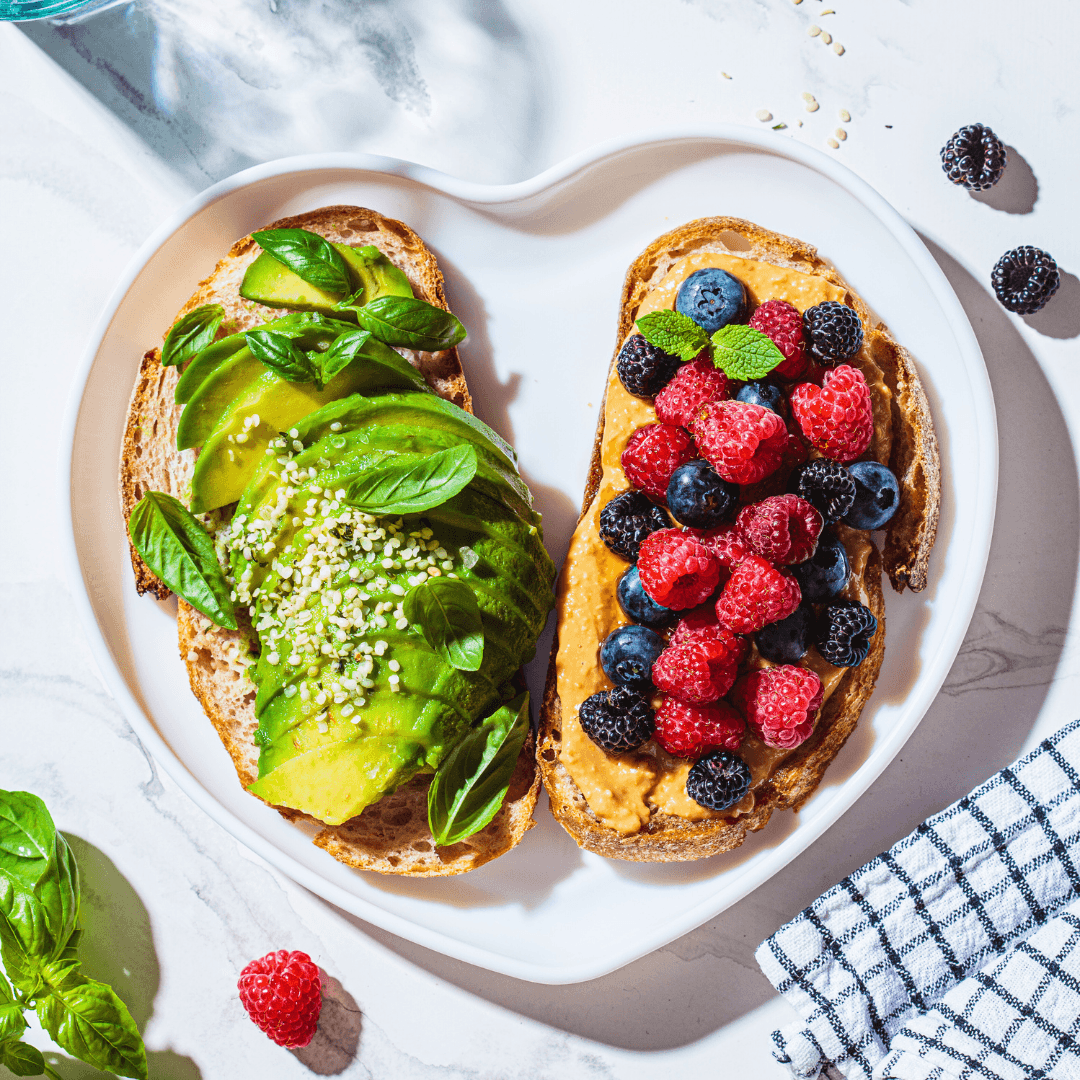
{"x": 903, "y": 439}
{"x": 391, "y": 836}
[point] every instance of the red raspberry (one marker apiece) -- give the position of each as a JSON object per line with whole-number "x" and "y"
{"x": 652, "y": 454}
{"x": 838, "y": 419}
{"x": 688, "y": 731}
{"x": 756, "y": 595}
{"x": 742, "y": 442}
{"x": 783, "y": 529}
{"x": 676, "y": 569}
{"x": 282, "y": 994}
{"x": 701, "y": 666}
{"x": 726, "y": 544}
{"x": 700, "y": 624}
{"x": 695, "y": 385}
{"x": 779, "y": 703}
{"x": 783, "y": 324}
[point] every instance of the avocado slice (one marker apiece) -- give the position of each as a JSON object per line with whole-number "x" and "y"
{"x": 373, "y": 272}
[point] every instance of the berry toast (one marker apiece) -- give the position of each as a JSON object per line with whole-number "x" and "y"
{"x": 720, "y": 611}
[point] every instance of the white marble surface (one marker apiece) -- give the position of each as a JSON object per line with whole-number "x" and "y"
{"x": 108, "y": 125}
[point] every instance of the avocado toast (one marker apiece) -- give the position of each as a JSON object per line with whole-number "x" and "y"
{"x": 381, "y": 554}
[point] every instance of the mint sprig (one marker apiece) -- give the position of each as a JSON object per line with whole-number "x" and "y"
{"x": 673, "y": 332}
{"x": 743, "y": 353}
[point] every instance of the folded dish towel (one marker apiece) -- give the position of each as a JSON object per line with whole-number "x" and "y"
{"x": 956, "y": 953}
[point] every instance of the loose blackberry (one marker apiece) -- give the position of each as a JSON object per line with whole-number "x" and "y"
{"x": 627, "y": 519}
{"x": 844, "y": 631}
{"x": 833, "y": 332}
{"x": 826, "y": 485}
{"x": 718, "y": 780}
{"x": 1025, "y": 279}
{"x": 645, "y": 369}
{"x": 617, "y": 720}
{"x": 974, "y": 157}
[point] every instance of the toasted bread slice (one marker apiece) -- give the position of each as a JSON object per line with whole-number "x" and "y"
{"x": 390, "y": 837}
{"x": 907, "y": 444}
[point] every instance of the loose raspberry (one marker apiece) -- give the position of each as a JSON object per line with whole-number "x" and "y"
{"x": 696, "y": 384}
{"x": 726, "y": 544}
{"x": 755, "y": 596}
{"x": 744, "y": 443}
{"x": 700, "y": 667}
{"x": 676, "y": 569}
{"x": 783, "y": 324}
{"x": 701, "y": 624}
{"x": 838, "y": 418}
{"x": 282, "y": 994}
{"x": 783, "y": 529}
{"x": 688, "y": 731}
{"x": 652, "y": 454}
{"x": 779, "y": 703}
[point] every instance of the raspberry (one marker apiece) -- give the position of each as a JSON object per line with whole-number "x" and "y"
{"x": 718, "y": 780}
{"x": 1024, "y": 279}
{"x": 755, "y": 596}
{"x": 779, "y": 703}
{"x": 782, "y": 323}
{"x": 701, "y": 624}
{"x": 627, "y": 519}
{"x": 676, "y": 569}
{"x": 696, "y": 384}
{"x": 838, "y": 418}
{"x": 844, "y": 632}
{"x": 826, "y": 485}
{"x": 688, "y": 731}
{"x": 744, "y": 443}
{"x": 701, "y": 667}
{"x": 643, "y": 368}
{"x": 783, "y": 529}
{"x": 617, "y": 720}
{"x": 726, "y": 544}
{"x": 653, "y": 453}
{"x": 282, "y": 994}
{"x": 833, "y": 332}
{"x": 974, "y": 157}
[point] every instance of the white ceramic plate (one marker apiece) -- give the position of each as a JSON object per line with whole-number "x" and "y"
{"x": 534, "y": 271}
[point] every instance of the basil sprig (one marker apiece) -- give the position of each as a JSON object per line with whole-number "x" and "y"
{"x": 411, "y": 323}
{"x": 281, "y": 355}
{"x": 39, "y": 911}
{"x": 413, "y": 483}
{"x": 342, "y": 353}
{"x": 449, "y": 618}
{"x": 191, "y": 334}
{"x": 742, "y": 352}
{"x": 673, "y": 332}
{"x": 176, "y": 547}
{"x": 307, "y": 255}
{"x": 471, "y": 783}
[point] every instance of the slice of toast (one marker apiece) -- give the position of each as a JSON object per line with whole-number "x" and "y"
{"x": 391, "y": 836}
{"x": 904, "y": 439}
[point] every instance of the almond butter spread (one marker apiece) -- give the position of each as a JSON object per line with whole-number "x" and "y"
{"x": 624, "y": 790}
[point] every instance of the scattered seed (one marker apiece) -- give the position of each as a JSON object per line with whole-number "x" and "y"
{"x": 841, "y": 134}
{"x": 838, "y": 49}
{"x": 812, "y": 106}
{"x": 888, "y": 125}
{"x": 779, "y": 127}
{"x": 800, "y": 123}
{"x": 845, "y": 115}
{"x": 763, "y": 115}
{"x": 828, "y": 11}
{"x": 807, "y": 96}
{"x": 725, "y": 75}
{"x": 796, "y": 1}
{"x": 814, "y": 31}
{"x": 834, "y": 144}
{"x": 826, "y": 37}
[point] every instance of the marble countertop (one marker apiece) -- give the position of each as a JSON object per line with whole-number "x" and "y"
{"x": 110, "y": 123}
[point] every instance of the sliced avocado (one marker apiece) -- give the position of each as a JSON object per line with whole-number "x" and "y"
{"x": 272, "y": 283}
{"x": 213, "y": 397}
{"x": 204, "y": 363}
{"x": 373, "y": 272}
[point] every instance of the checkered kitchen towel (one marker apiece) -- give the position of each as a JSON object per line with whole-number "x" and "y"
{"x": 955, "y": 955}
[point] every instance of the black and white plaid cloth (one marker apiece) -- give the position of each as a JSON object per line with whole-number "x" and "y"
{"x": 955, "y": 955}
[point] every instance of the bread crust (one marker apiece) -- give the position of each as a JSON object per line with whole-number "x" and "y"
{"x": 913, "y": 457}
{"x": 390, "y": 837}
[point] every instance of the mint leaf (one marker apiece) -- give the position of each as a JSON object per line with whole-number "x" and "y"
{"x": 413, "y": 483}
{"x": 281, "y": 355}
{"x": 191, "y": 334}
{"x": 448, "y": 616}
{"x": 675, "y": 333}
{"x": 307, "y": 255}
{"x": 741, "y": 352}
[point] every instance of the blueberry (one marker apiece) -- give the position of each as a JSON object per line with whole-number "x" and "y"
{"x": 697, "y": 497}
{"x": 786, "y": 641}
{"x": 764, "y": 394}
{"x": 712, "y": 298}
{"x": 825, "y": 573}
{"x": 637, "y": 604}
{"x": 877, "y": 495}
{"x": 628, "y": 654}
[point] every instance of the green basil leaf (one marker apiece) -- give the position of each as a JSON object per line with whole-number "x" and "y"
{"x": 742, "y": 352}
{"x": 673, "y": 332}
{"x": 22, "y": 1058}
{"x": 191, "y": 334}
{"x": 27, "y": 836}
{"x": 413, "y": 483}
{"x": 414, "y": 324}
{"x": 448, "y": 616}
{"x": 281, "y": 355}
{"x": 473, "y": 779}
{"x": 176, "y": 547}
{"x": 58, "y": 891}
{"x": 307, "y": 255}
{"x": 341, "y": 354}
{"x": 25, "y": 939}
{"x": 12, "y": 1024}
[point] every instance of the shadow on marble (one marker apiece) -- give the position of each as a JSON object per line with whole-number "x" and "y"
{"x": 333, "y": 1048}
{"x": 1016, "y": 192}
{"x": 1061, "y": 317}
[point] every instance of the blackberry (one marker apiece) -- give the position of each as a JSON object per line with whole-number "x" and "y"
{"x": 617, "y": 720}
{"x": 718, "y": 780}
{"x": 696, "y": 496}
{"x": 974, "y": 158}
{"x": 1025, "y": 279}
{"x": 844, "y": 631}
{"x": 627, "y": 519}
{"x": 628, "y": 654}
{"x": 833, "y": 332}
{"x": 645, "y": 369}
{"x": 826, "y": 485}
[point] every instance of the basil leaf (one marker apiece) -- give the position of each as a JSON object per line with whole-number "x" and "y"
{"x": 176, "y": 547}
{"x": 472, "y": 781}
{"x": 24, "y": 935}
{"x": 414, "y": 324}
{"x": 191, "y": 334}
{"x": 341, "y": 354}
{"x": 673, "y": 332}
{"x": 307, "y": 255}
{"x": 448, "y": 616}
{"x": 281, "y": 355}
{"x": 27, "y": 836}
{"x": 12, "y": 1024}
{"x": 413, "y": 483}
{"x": 742, "y": 352}
{"x": 22, "y": 1058}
